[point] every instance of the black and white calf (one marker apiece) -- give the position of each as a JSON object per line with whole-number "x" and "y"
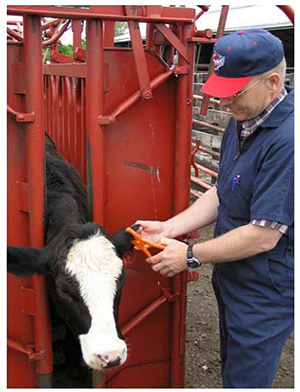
{"x": 82, "y": 263}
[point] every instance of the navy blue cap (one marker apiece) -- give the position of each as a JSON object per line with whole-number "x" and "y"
{"x": 238, "y": 57}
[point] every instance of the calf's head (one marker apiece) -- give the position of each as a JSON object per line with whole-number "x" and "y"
{"x": 85, "y": 276}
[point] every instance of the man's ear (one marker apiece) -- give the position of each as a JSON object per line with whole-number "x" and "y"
{"x": 122, "y": 240}
{"x": 273, "y": 81}
{"x": 24, "y": 261}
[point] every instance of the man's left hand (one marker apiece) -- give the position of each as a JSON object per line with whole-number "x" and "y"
{"x": 171, "y": 260}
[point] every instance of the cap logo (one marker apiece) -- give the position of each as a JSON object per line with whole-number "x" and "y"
{"x": 218, "y": 61}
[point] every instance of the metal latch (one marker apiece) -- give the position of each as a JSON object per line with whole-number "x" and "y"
{"x": 28, "y": 350}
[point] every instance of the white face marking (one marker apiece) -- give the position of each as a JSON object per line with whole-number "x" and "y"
{"x": 96, "y": 266}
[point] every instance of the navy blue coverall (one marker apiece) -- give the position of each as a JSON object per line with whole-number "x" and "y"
{"x": 255, "y": 295}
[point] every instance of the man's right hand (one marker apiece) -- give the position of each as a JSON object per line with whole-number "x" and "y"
{"x": 153, "y": 230}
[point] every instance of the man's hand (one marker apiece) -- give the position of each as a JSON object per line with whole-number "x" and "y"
{"x": 171, "y": 260}
{"x": 152, "y": 230}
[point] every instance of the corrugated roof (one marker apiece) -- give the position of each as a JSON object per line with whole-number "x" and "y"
{"x": 246, "y": 17}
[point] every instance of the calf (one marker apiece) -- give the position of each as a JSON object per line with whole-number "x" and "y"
{"x": 82, "y": 263}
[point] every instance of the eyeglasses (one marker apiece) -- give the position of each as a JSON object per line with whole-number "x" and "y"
{"x": 237, "y": 95}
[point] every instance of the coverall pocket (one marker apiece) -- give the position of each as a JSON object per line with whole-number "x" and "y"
{"x": 239, "y": 200}
{"x": 277, "y": 272}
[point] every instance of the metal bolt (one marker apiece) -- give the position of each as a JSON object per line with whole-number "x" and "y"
{"x": 147, "y": 94}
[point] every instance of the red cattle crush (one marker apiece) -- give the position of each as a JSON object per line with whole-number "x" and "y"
{"x": 122, "y": 116}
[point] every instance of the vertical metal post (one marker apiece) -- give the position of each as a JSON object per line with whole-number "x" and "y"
{"x": 33, "y": 73}
{"x": 109, "y": 34}
{"x": 220, "y": 32}
{"x": 181, "y": 194}
{"x": 94, "y": 108}
{"x": 77, "y": 30}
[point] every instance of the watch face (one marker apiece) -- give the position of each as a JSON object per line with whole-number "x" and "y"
{"x": 193, "y": 263}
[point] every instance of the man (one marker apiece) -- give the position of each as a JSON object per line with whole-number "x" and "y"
{"x": 252, "y": 205}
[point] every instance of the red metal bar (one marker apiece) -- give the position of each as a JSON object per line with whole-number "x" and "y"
{"x": 171, "y": 37}
{"x": 139, "y": 56}
{"x": 220, "y": 32}
{"x": 14, "y": 34}
{"x": 72, "y": 119}
{"x": 51, "y": 23}
{"x": 57, "y": 35}
{"x": 196, "y": 194}
{"x": 207, "y": 33}
{"x": 208, "y": 125}
{"x": 58, "y": 57}
{"x": 99, "y": 12}
{"x": 201, "y": 183}
{"x": 200, "y": 98}
{"x": 195, "y": 148}
{"x": 77, "y": 30}
{"x": 134, "y": 98}
{"x": 143, "y": 314}
{"x": 83, "y": 127}
{"x": 288, "y": 10}
{"x": 181, "y": 201}
{"x": 16, "y": 346}
{"x": 204, "y": 8}
{"x": 109, "y": 34}
{"x": 33, "y": 75}
{"x": 21, "y": 117}
{"x": 74, "y": 70}
{"x": 60, "y": 113}
{"x": 213, "y": 153}
{"x": 94, "y": 108}
{"x": 149, "y": 36}
{"x": 27, "y": 350}
{"x": 64, "y": 116}
{"x": 206, "y": 170}
{"x": 202, "y": 40}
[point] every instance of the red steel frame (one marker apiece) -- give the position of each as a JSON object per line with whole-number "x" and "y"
{"x": 90, "y": 111}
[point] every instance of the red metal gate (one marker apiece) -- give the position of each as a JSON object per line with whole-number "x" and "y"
{"x": 123, "y": 119}
{"x": 136, "y": 153}
{"x": 122, "y": 116}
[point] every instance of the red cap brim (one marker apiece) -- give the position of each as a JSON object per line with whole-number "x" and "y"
{"x": 220, "y": 87}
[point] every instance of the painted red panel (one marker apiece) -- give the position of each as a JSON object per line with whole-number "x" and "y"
{"x": 139, "y": 158}
{"x": 21, "y": 372}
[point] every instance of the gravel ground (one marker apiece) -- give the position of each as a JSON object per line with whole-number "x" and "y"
{"x": 202, "y": 348}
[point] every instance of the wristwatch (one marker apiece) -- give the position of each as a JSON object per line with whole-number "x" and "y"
{"x": 191, "y": 259}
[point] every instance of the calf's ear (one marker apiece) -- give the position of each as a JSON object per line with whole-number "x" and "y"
{"x": 122, "y": 240}
{"x": 25, "y": 261}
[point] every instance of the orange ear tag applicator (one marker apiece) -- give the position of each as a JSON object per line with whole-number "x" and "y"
{"x": 141, "y": 244}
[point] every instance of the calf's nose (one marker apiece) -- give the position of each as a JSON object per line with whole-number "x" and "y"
{"x": 107, "y": 363}
{"x": 111, "y": 359}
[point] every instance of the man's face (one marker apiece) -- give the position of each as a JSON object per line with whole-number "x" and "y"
{"x": 250, "y": 101}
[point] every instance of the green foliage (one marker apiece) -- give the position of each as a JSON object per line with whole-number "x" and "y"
{"x": 120, "y": 28}
{"x": 66, "y": 49}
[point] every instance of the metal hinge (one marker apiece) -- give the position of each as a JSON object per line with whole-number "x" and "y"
{"x": 171, "y": 297}
{"x": 28, "y": 350}
{"x": 21, "y": 117}
{"x": 181, "y": 71}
